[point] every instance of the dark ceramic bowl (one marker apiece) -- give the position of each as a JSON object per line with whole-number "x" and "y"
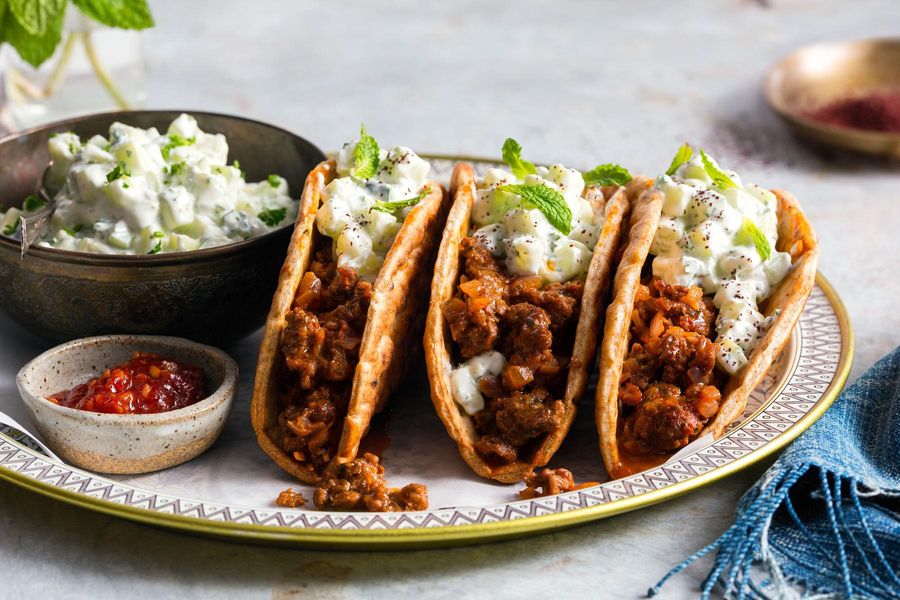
{"x": 215, "y": 295}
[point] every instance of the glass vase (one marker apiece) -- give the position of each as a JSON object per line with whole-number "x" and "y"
{"x": 95, "y": 68}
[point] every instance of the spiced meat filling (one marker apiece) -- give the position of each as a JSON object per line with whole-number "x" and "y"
{"x": 549, "y": 482}
{"x": 669, "y": 388}
{"x": 533, "y": 325}
{"x": 320, "y": 344}
{"x": 360, "y": 485}
{"x": 290, "y": 499}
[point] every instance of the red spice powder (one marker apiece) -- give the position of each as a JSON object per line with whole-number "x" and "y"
{"x": 874, "y": 112}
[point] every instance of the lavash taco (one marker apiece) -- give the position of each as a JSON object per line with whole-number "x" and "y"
{"x": 713, "y": 278}
{"x": 518, "y": 290}
{"x": 346, "y": 313}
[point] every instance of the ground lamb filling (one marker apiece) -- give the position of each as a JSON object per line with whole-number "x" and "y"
{"x": 321, "y": 344}
{"x": 360, "y": 485}
{"x": 669, "y": 388}
{"x": 533, "y": 325}
{"x": 549, "y": 482}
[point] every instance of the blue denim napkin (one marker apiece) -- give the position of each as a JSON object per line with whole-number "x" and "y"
{"x": 826, "y": 515}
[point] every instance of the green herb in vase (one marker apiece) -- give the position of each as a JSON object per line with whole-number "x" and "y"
{"x": 35, "y": 28}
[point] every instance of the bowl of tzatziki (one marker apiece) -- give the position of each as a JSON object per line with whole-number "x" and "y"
{"x": 163, "y": 222}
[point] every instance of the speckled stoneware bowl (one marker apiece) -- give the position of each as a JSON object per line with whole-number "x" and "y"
{"x": 216, "y": 295}
{"x": 108, "y": 443}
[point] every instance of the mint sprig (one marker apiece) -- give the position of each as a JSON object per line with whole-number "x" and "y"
{"x": 272, "y": 217}
{"x": 393, "y": 206}
{"x": 34, "y": 27}
{"x": 36, "y": 17}
{"x": 366, "y": 156}
{"x": 547, "y": 200}
{"x": 120, "y": 170}
{"x": 36, "y": 30}
{"x": 176, "y": 141}
{"x": 684, "y": 154}
{"x": 609, "y": 174}
{"x": 512, "y": 156}
{"x": 124, "y": 14}
{"x": 759, "y": 239}
{"x": 32, "y": 202}
{"x": 719, "y": 177}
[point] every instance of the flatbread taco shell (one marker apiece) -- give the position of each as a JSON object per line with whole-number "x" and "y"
{"x": 795, "y": 236}
{"x": 392, "y": 323}
{"x": 439, "y": 354}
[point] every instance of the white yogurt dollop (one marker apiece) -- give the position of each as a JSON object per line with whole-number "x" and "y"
{"x": 354, "y": 212}
{"x": 523, "y": 237}
{"x": 706, "y": 238}
{"x": 464, "y": 379}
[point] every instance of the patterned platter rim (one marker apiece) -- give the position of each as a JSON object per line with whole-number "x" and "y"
{"x": 820, "y": 364}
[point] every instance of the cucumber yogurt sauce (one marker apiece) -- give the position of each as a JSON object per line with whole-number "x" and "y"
{"x": 363, "y": 210}
{"x": 140, "y": 191}
{"x": 528, "y": 243}
{"x": 719, "y": 233}
{"x": 524, "y": 237}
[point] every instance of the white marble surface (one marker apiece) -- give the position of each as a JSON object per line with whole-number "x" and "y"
{"x": 579, "y": 82}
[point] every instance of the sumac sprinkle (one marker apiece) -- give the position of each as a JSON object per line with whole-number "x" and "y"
{"x": 873, "y": 112}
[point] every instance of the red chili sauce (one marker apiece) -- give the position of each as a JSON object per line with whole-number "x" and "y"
{"x": 148, "y": 383}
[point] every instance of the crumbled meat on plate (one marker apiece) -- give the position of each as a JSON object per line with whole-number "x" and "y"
{"x": 549, "y": 482}
{"x": 360, "y": 485}
{"x": 290, "y": 499}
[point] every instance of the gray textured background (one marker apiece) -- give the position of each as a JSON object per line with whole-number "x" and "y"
{"x": 576, "y": 82}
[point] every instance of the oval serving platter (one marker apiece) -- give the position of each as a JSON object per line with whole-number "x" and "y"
{"x": 229, "y": 491}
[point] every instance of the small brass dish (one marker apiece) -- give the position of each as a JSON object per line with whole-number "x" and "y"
{"x": 817, "y": 75}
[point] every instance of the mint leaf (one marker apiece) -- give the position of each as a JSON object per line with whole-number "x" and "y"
{"x": 547, "y": 200}
{"x": 366, "y": 156}
{"x": 759, "y": 239}
{"x": 74, "y": 230}
{"x": 391, "y": 207}
{"x": 32, "y": 203}
{"x": 512, "y": 156}
{"x": 34, "y": 49}
{"x": 610, "y": 174}
{"x": 175, "y": 141}
{"x": 157, "y": 248}
{"x": 683, "y": 155}
{"x": 272, "y": 217}
{"x": 719, "y": 177}
{"x": 11, "y": 228}
{"x": 120, "y": 170}
{"x": 124, "y": 14}
{"x": 36, "y": 16}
